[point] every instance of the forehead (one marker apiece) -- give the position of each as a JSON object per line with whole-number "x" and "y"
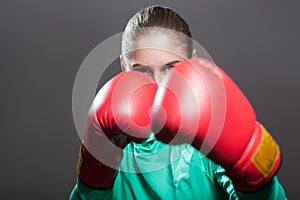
{"x": 156, "y": 50}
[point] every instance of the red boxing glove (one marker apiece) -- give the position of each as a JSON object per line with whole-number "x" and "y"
{"x": 119, "y": 113}
{"x": 199, "y": 104}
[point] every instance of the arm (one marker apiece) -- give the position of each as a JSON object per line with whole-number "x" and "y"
{"x": 84, "y": 192}
{"x": 273, "y": 190}
{"x": 199, "y": 104}
{"x": 116, "y": 117}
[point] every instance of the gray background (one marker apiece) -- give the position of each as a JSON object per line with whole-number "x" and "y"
{"x": 43, "y": 43}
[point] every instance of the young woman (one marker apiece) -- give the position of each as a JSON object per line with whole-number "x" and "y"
{"x": 125, "y": 153}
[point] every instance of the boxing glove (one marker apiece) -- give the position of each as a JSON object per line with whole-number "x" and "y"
{"x": 119, "y": 114}
{"x": 198, "y": 103}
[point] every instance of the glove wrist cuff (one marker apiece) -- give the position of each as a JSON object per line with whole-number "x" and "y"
{"x": 92, "y": 172}
{"x": 258, "y": 164}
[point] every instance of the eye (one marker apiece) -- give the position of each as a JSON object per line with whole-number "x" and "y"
{"x": 166, "y": 68}
{"x": 143, "y": 69}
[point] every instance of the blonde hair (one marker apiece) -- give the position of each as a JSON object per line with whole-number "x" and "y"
{"x": 164, "y": 18}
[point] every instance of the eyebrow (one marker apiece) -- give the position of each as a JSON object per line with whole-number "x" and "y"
{"x": 167, "y": 64}
{"x": 172, "y": 63}
{"x": 136, "y": 65}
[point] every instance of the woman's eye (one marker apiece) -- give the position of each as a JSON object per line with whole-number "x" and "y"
{"x": 167, "y": 68}
{"x": 142, "y": 70}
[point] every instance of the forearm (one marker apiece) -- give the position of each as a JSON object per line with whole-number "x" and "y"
{"x": 272, "y": 191}
{"x": 94, "y": 173}
{"x": 83, "y": 192}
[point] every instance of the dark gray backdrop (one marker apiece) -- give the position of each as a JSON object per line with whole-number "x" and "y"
{"x": 43, "y": 43}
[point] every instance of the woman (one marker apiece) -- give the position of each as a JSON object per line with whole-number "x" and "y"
{"x": 138, "y": 165}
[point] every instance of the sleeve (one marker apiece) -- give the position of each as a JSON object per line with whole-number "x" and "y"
{"x": 83, "y": 192}
{"x": 272, "y": 191}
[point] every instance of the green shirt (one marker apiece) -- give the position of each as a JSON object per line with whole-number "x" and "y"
{"x": 154, "y": 170}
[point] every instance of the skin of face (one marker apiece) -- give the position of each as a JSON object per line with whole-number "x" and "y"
{"x": 154, "y": 57}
